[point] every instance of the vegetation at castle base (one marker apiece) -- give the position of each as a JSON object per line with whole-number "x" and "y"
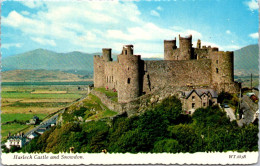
{"x": 160, "y": 129}
{"x": 109, "y": 93}
{"x": 231, "y": 99}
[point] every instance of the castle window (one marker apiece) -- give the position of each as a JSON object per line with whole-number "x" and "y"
{"x": 216, "y": 61}
{"x": 216, "y": 70}
{"x": 112, "y": 78}
{"x": 128, "y": 80}
{"x": 125, "y": 52}
{"x": 193, "y": 105}
{"x": 193, "y": 98}
{"x": 204, "y": 104}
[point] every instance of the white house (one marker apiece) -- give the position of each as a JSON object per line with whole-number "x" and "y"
{"x": 18, "y": 141}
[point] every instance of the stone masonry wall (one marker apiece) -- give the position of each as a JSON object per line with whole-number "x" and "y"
{"x": 160, "y": 74}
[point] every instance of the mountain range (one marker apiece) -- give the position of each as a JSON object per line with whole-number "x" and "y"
{"x": 246, "y": 60}
{"x": 78, "y": 63}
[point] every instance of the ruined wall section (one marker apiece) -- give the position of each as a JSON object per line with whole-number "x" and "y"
{"x": 161, "y": 74}
{"x": 201, "y": 53}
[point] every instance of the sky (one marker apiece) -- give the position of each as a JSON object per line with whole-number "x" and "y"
{"x": 89, "y": 26}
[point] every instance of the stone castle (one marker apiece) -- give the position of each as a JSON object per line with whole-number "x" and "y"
{"x": 186, "y": 66}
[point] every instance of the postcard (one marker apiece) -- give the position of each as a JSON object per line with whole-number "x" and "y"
{"x": 129, "y": 82}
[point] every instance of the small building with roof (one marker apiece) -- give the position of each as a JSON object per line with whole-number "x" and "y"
{"x": 18, "y": 140}
{"x": 34, "y": 120}
{"x": 198, "y": 98}
{"x": 32, "y": 135}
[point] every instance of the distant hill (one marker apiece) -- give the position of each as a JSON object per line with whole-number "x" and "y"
{"x": 246, "y": 60}
{"x": 39, "y": 76}
{"x": 49, "y": 60}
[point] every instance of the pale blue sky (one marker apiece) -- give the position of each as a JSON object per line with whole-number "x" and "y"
{"x": 64, "y": 26}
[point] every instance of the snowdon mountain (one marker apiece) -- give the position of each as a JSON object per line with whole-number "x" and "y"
{"x": 245, "y": 60}
{"x": 49, "y": 60}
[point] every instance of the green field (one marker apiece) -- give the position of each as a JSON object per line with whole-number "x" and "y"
{"x": 21, "y": 102}
{"x": 20, "y": 117}
{"x": 20, "y": 94}
{"x": 12, "y": 128}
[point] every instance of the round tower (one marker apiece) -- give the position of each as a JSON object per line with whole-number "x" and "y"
{"x": 185, "y": 44}
{"x": 169, "y": 46}
{"x": 129, "y": 74}
{"x": 222, "y": 66}
{"x": 106, "y": 53}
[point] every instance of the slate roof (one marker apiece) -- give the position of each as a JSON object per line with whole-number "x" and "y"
{"x": 200, "y": 92}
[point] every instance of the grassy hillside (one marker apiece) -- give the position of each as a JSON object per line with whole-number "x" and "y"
{"x": 159, "y": 129}
{"x": 246, "y": 60}
{"x": 39, "y": 76}
{"x": 48, "y": 60}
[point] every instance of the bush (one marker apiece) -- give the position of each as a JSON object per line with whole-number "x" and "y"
{"x": 167, "y": 145}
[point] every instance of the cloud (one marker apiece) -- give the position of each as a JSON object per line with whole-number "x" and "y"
{"x": 44, "y": 41}
{"x": 9, "y": 45}
{"x": 228, "y": 32}
{"x": 154, "y": 13}
{"x": 32, "y": 3}
{"x": 253, "y": 5}
{"x": 159, "y": 8}
{"x": 25, "y": 13}
{"x": 254, "y": 35}
{"x": 90, "y": 26}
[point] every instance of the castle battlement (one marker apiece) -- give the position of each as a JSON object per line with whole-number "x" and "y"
{"x": 183, "y": 66}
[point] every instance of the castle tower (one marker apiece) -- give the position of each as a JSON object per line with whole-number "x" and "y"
{"x": 185, "y": 47}
{"x": 198, "y": 43}
{"x": 128, "y": 50}
{"x": 99, "y": 70}
{"x": 129, "y": 86}
{"x": 99, "y": 67}
{"x": 106, "y": 53}
{"x": 169, "y": 46}
{"x": 222, "y": 69}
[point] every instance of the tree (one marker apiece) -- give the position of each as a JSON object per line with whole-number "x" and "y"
{"x": 167, "y": 145}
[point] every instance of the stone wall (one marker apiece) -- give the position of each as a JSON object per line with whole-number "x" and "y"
{"x": 109, "y": 103}
{"x": 111, "y": 74}
{"x": 160, "y": 74}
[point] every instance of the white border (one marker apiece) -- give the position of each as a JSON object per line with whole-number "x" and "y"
{"x": 140, "y": 158}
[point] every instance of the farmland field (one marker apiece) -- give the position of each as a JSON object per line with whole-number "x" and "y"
{"x": 21, "y": 102}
